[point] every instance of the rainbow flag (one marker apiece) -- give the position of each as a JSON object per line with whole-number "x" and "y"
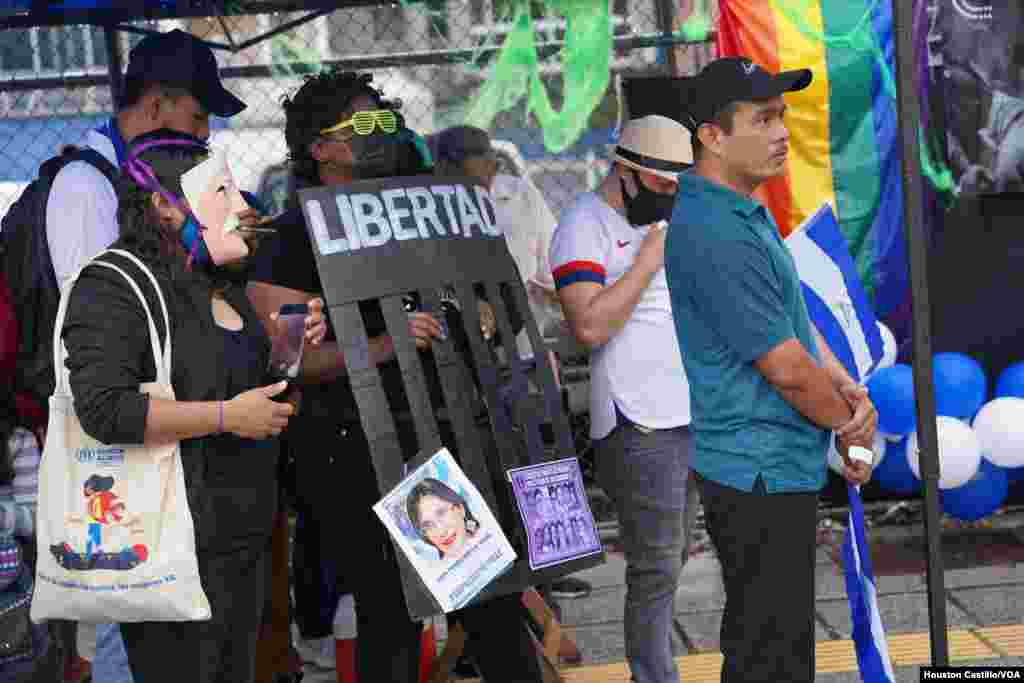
{"x": 843, "y": 145}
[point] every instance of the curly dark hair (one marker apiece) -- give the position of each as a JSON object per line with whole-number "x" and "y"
{"x": 322, "y": 101}
{"x": 140, "y": 228}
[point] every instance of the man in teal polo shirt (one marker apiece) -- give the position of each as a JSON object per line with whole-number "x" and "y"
{"x": 766, "y": 391}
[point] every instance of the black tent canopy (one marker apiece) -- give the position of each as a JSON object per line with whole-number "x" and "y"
{"x": 28, "y": 13}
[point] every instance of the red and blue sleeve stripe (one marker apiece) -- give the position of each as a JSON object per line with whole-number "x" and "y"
{"x": 578, "y": 271}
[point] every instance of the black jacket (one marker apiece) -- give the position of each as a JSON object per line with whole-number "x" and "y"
{"x": 109, "y": 355}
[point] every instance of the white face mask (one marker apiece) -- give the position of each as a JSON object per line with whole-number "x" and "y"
{"x": 215, "y": 201}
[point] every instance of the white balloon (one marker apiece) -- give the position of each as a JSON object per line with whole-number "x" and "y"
{"x": 889, "y": 348}
{"x": 1000, "y": 428}
{"x": 959, "y": 452}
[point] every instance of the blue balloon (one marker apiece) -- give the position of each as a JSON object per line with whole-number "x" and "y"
{"x": 894, "y": 473}
{"x": 892, "y": 391}
{"x": 1011, "y": 381}
{"x": 979, "y": 497}
{"x": 960, "y": 385}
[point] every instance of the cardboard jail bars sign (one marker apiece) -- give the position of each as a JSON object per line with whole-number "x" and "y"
{"x": 381, "y": 241}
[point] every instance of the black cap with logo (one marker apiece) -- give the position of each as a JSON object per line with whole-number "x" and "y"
{"x": 179, "y": 59}
{"x": 736, "y": 79}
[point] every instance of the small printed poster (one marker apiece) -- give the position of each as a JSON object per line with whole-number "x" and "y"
{"x": 555, "y": 511}
{"x": 442, "y": 524}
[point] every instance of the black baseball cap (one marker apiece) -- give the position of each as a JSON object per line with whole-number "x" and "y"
{"x": 736, "y": 79}
{"x": 179, "y": 59}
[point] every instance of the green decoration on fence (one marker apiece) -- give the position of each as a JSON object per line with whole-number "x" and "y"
{"x": 937, "y": 172}
{"x": 697, "y": 27}
{"x": 586, "y": 62}
{"x": 288, "y": 50}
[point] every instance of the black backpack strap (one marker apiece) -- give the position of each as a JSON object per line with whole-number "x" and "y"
{"x": 97, "y": 160}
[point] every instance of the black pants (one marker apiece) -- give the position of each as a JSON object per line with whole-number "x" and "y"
{"x": 221, "y": 650}
{"x": 317, "y": 588}
{"x": 766, "y": 544}
{"x": 389, "y": 641}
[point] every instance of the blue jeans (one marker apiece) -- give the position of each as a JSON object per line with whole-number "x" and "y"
{"x": 111, "y": 662}
{"x": 93, "y": 541}
{"x": 645, "y": 473}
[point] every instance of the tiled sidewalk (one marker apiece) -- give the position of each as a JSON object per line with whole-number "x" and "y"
{"x": 985, "y": 607}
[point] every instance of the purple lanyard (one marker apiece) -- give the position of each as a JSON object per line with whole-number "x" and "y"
{"x": 143, "y": 175}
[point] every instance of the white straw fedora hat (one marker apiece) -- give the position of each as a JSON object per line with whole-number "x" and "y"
{"x": 655, "y": 144}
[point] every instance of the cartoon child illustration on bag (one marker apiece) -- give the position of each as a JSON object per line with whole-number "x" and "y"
{"x": 103, "y": 510}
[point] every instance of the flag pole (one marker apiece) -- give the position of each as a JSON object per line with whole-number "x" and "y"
{"x": 909, "y": 108}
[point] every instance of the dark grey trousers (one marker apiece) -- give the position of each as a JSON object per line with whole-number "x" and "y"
{"x": 645, "y": 474}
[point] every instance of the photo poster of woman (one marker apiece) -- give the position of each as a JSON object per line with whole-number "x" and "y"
{"x": 555, "y": 512}
{"x": 442, "y": 524}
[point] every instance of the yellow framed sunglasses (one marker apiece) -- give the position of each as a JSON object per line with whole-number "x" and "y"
{"x": 363, "y": 122}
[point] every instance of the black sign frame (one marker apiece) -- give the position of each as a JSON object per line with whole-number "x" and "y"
{"x": 422, "y": 259}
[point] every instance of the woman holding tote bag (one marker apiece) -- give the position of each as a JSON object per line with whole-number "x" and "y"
{"x": 178, "y": 219}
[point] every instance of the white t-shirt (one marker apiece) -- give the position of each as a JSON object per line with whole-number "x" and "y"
{"x": 81, "y": 211}
{"x": 639, "y": 369}
{"x": 528, "y": 224}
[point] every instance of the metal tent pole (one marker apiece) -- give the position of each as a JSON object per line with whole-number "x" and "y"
{"x": 909, "y": 108}
{"x": 112, "y": 38}
{"x": 666, "y": 17}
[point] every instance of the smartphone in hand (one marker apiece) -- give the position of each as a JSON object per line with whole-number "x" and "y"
{"x": 286, "y": 351}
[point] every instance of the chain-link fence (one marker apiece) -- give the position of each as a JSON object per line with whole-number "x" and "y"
{"x": 434, "y": 55}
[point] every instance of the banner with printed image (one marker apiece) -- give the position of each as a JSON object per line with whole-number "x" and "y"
{"x": 446, "y": 530}
{"x": 555, "y": 512}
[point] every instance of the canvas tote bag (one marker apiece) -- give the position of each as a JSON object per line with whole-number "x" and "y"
{"x": 115, "y": 534}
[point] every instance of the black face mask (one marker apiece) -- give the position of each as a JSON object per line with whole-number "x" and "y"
{"x": 387, "y": 155}
{"x": 647, "y": 206}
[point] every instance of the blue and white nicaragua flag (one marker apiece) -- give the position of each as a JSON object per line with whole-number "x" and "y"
{"x": 835, "y": 298}
{"x": 839, "y": 308}
{"x": 868, "y": 632}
